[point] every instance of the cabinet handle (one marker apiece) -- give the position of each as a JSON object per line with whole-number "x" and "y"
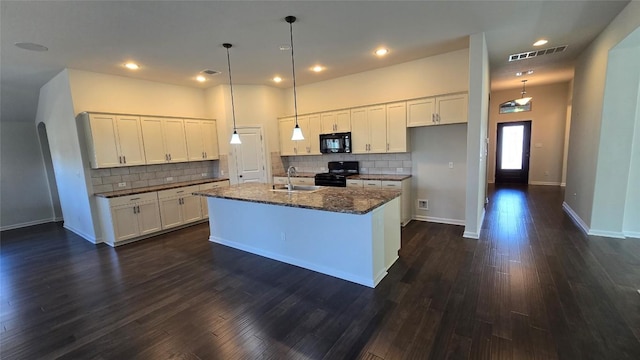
{"x": 135, "y": 199}
{"x": 433, "y": 118}
{"x": 169, "y": 157}
{"x": 134, "y": 210}
{"x": 178, "y": 192}
{"x": 166, "y": 157}
{"x": 438, "y": 118}
{"x": 120, "y": 159}
{"x": 202, "y": 154}
{"x": 124, "y": 159}
{"x": 205, "y": 155}
{"x": 138, "y": 207}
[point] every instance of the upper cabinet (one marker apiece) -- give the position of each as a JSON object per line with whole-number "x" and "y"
{"x": 439, "y": 110}
{"x": 310, "y": 126}
{"x": 369, "y": 129}
{"x": 335, "y": 121}
{"x": 397, "y": 127}
{"x": 114, "y": 140}
{"x": 164, "y": 140}
{"x": 202, "y": 139}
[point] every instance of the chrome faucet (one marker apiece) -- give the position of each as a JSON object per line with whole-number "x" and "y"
{"x": 291, "y": 171}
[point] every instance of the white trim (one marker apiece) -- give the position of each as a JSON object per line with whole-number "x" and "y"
{"x": 548, "y": 183}
{"x": 301, "y": 263}
{"x": 492, "y": 181}
{"x": 471, "y": 235}
{"x": 574, "y": 216}
{"x": 438, "y": 220}
{"x": 81, "y": 234}
{"x": 563, "y": 184}
{"x": 606, "y": 233}
{"x": 632, "y": 234}
{"x": 28, "y": 223}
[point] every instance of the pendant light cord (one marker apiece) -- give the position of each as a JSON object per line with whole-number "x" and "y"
{"x": 233, "y": 106}
{"x": 293, "y": 67}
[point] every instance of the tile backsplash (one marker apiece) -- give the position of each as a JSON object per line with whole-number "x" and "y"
{"x": 149, "y": 175}
{"x": 369, "y": 163}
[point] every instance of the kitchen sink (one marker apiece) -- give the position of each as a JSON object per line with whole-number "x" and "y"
{"x": 297, "y": 188}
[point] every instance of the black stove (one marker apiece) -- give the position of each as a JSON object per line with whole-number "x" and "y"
{"x": 338, "y": 173}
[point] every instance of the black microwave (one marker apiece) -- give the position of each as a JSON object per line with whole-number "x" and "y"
{"x": 335, "y": 143}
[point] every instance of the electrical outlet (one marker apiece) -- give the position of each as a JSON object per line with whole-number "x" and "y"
{"x": 399, "y": 170}
{"x": 423, "y": 204}
{"x": 122, "y": 184}
{"x": 170, "y": 178}
{"x": 221, "y": 172}
{"x": 204, "y": 174}
{"x": 450, "y": 164}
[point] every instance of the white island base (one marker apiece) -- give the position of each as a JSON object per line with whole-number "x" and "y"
{"x": 353, "y": 247}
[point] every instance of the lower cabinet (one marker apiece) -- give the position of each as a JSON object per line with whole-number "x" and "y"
{"x": 404, "y": 186}
{"x": 129, "y": 217}
{"x": 178, "y": 206}
{"x": 203, "y": 199}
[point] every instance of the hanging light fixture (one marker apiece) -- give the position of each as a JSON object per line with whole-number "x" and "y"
{"x": 297, "y": 132}
{"x": 235, "y": 138}
{"x": 523, "y": 100}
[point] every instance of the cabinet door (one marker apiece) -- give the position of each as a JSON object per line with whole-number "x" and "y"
{"x": 153, "y": 142}
{"x": 397, "y": 127}
{"x": 302, "y": 146}
{"x": 421, "y": 112}
{"x": 314, "y": 134}
{"x": 195, "y": 140}
{"x": 125, "y": 222}
{"x": 372, "y": 184}
{"x": 191, "y": 209}
{"x": 377, "y": 117}
{"x": 452, "y": 109}
{"x": 328, "y": 121}
{"x": 149, "y": 217}
{"x": 287, "y": 146}
{"x": 359, "y": 131}
{"x": 131, "y": 146}
{"x": 175, "y": 140}
{"x": 170, "y": 212}
{"x": 354, "y": 183}
{"x": 343, "y": 121}
{"x": 105, "y": 141}
{"x": 210, "y": 139}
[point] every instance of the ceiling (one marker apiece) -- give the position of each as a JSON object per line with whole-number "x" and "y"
{"x": 174, "y": 40}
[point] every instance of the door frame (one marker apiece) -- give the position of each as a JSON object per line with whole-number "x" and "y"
{"x": 526, "y": 154}
{"x": 233, "y": 160}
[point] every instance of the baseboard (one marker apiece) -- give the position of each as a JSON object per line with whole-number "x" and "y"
{"x": 87, "y": 237}
{"x": 491, "y": 181}
{"x": 439, "y": 220}
{"x": 546, "y": 183}
{"x": 28, "y": 223}
{"x": 576, "y": 219}
{"x": 606, "y": 233}
{"x": 632, "y": 234}
{"x": 471, "y": 235}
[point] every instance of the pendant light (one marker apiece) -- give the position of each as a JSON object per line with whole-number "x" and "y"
{"x": 235, "y": 138}
{"x": 297, "y": 132}
{"x": 523, "y": 100}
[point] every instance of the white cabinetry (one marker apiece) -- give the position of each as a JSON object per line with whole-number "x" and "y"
{"x": 114, "y": 140}
{"x": 127, "y": 217}
{"x": 287, "y": 146}
{"x": 336, "y": 121}
{"x": 369, "y": 129}
{"x": 404, "y": 186}
{"x": 202, "y": 139}
{"x": 294, "y": 180}
{"x": 178, "y": 206}
{"x": 310, "y": 126}
{"x": 439, "y": 110}
{"x": 164, "y": 140}
{"x": 397, "y": 127}
{"x": 203, "y": 199}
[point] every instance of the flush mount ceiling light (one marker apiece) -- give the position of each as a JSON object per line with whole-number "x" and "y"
{"x": 382, "y": 52}
{"x": 235, "y": 138}
{"x": 523, "y": 100}
{"x": 277, "y": 79}
{"x": 540, "y": 42}
{"x": 31, "y": 46}
{"x": 132, "y": 66}
{"x": 317, "y": 68}
{"x": 528, "y": 72}
{"x": 297, "y": 132}
{"x": 201, "y": 78}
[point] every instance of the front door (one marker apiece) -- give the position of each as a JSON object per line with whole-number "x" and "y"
{"x": 512, "y": 152}
{"x": 249, "y": 156}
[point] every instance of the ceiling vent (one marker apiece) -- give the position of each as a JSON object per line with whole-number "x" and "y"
{"x": 210, "y": 72}
{"x": 532, "y": 54}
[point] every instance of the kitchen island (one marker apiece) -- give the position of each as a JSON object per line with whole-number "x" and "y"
{"x": 351, "y": 234}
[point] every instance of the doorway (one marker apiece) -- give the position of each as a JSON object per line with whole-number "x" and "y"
{"x": 512, "y": 152}
{"x": 249, "y": 156}
{"x": 48, "y": 166}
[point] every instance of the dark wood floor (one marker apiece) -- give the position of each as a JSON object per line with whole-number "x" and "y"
{"x": 534, "y": 287}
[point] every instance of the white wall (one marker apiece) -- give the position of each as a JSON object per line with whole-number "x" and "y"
{"x": 548, "y": 120}
{"x": 587, "y": 112}
{"x": 631, "y": 226}
{"x": 24, "y": 192}
{"x": 432, "y": 179}
{"x": 476, "y": 183}
{"x": 435, "y": 75}
{"x": 55, "y": 110}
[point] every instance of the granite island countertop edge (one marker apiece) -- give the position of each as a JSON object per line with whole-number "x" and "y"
{"x": 147, "y": 189}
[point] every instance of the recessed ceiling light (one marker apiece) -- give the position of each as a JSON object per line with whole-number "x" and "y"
{"x": 31, "y": 46}
{"x": 519, "y": 73}
{"x": 382, "y": 52}
{"x": 277, "y": 79}
{"x": 529, "y": 72}
{"x": 285, "y": 47}
{"x": 317, "y": 68}
{"x": 540, "y": 42}
{"x": 201, "y": 78}
{"x": 132, "y": 66}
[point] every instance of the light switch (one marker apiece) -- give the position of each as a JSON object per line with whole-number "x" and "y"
{"x": 451, "y": 165}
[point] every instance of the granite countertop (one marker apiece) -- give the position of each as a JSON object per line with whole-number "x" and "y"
{"x": 379, "y": 177}
{"x": 335, "y": 199}
{"x": 146, "y": 189}
{"x": 300, "y": 174}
